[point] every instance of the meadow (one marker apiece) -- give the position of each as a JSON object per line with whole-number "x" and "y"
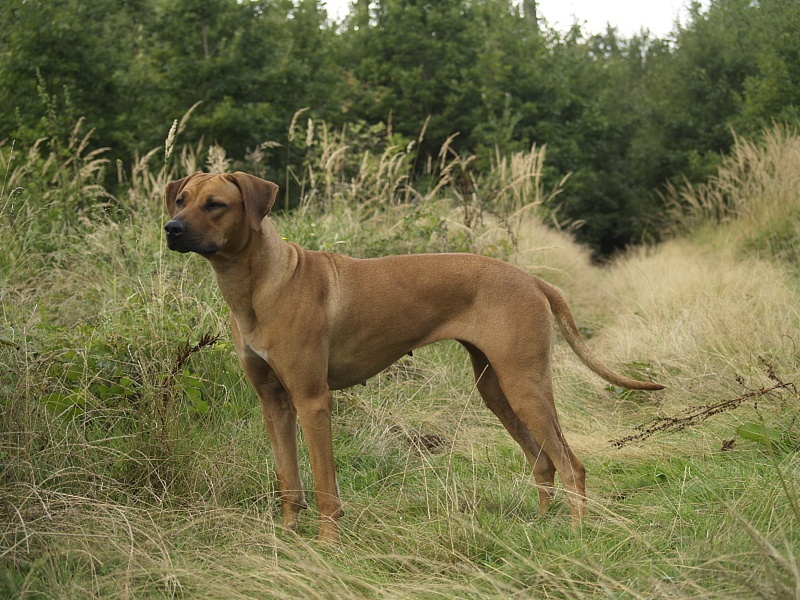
{"x": 133, "y": 460}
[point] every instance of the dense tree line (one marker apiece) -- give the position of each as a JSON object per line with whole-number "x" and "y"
{"x": 624, "y": 116}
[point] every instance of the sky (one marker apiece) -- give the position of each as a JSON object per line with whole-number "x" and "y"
{"x": 628, "y": 16}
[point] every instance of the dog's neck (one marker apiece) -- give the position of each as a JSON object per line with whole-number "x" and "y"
{"x": 267, "y": 259}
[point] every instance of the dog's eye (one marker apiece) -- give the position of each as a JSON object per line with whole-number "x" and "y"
{"x": 178, "y": 201}
{"x": 214, "y": 205}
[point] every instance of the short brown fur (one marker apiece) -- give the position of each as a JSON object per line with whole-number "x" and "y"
{"x": 305, "y": 323}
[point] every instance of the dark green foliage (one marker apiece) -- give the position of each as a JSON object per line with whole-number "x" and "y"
{"x": 623, "y": 116}
{"x": 75, "y": 50}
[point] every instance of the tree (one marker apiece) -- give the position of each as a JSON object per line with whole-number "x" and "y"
{"x": 68, "y": 54}
{"x": 773, "y": 92}
{"x": 624, "y": 116}
{"x": 411, "y": 62}
{"x": 529, "y": 6}
{"x": 593, "y": 102}
{"x": 692, "y": 94}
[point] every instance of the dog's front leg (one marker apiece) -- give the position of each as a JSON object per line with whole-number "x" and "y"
{"x": 315, "y": 419}
{"x": 280, "y": 421}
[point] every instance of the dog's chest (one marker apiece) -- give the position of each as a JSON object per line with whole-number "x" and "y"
{"x": 251, "y": 343}
{"x": 262, "y": 354}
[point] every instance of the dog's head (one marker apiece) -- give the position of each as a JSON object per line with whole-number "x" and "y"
{"x": 216, "y": 213}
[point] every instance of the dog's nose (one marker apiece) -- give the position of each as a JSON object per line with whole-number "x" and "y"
{"x": 175, "y": 227}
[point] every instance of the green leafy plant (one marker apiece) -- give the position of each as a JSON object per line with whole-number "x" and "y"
{"x": 769, "y": 437}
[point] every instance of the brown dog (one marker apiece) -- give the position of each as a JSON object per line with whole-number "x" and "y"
{"x": 305, "y": 323}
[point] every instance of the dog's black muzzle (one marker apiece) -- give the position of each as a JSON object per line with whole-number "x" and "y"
{"x": 176, "y": 235}
{"x": 181, "y": 239}
{"x": 175, "y": 228}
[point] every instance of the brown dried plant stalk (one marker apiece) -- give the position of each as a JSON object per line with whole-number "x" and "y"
{"x": 184, "y": 352}
{"x": 698, "y": 414}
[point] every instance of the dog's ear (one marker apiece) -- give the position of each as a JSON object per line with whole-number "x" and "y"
{"x": 172, "y": 190}
{"x": 258, "y": 195}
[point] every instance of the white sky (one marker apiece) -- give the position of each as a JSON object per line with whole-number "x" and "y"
{"x": 628, "y": 16}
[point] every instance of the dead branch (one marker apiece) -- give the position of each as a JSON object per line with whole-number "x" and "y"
{"x": 698, "y": 414}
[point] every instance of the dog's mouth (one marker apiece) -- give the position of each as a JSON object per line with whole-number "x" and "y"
{"x": 184, "y": 244}
{"x": 185, "y": 249}
{"x": 175, "y": 245}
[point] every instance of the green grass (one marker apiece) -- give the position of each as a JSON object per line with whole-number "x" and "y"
{"x": 119, "y": 481}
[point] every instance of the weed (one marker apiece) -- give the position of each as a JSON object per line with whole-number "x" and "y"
{"x": 192, "y": 385}
{"x": 752, "y": 431}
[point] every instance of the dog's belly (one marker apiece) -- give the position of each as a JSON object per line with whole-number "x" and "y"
{"x": 344, "y": 374}
{"x": 340, "y": 381}
{"x": 354, "y": 363}
{"x": 373, "y": 344}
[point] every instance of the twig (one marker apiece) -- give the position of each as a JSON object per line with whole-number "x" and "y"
{"x": 695, "y": 415}
{"x": 184, "y": 352}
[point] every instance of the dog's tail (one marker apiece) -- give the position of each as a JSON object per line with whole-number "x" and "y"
{"x": 570, "y": 331}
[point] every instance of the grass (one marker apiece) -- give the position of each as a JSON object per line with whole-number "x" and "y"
{"x": 121, "y": 481}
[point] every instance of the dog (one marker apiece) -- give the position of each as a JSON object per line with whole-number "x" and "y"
{"x": 305, "y": 323}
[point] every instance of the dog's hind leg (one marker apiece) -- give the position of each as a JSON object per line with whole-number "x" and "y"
{"x": 530, "y": 397}
{"x": 489, "y": 387}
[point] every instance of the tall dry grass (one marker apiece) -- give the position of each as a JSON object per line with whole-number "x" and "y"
{"x": 372, "y": 169}
{"x": 687, "y": 302}
{"x": 753, "y": 183}
{"x": 116, "y": 483}
{"x": 723, "y": 292}
{"x": 754, "y": 194}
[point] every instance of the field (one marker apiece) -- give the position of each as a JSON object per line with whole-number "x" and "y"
{"x": 133, "y": 460}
